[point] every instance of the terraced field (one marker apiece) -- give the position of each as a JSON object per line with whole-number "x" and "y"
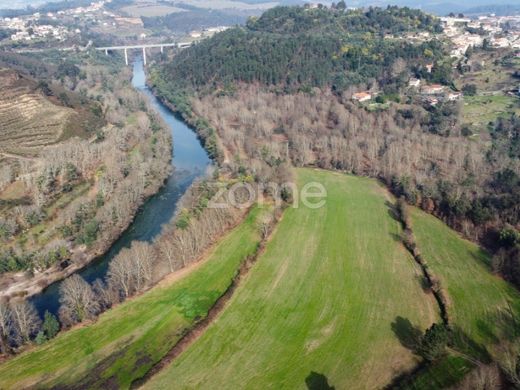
{"x": 328, "y": 302}
{"x": 28, "y": 120}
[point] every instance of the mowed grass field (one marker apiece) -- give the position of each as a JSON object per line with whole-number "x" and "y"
{"x": 482, "y": 305}
{"x": 127, "y": 340}
{"x": 324, "y": 303}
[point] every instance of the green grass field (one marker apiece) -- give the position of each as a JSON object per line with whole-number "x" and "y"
{"x": 125, "y": 342}
{"x": 325, "y": 302}
{"x": 481, "y": 304}
{"x": 481, "y": 109}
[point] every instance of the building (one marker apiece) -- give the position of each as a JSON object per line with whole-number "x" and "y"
{"x": 413, "y": 82}
{"x": 432, "y": 89}
{"x": 452, "y": 96}
{"x": 432, "y": 101}
{"x": 362, "y": 96}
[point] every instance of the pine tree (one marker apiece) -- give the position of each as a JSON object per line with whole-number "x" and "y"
{"x": 51, "y": 326}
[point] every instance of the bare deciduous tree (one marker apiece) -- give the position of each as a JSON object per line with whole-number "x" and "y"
{"x": 5, "y": 327}
{"x": 78, "y": 301}
{"x": 25, "y": 321}
{"x": 131, "y": 270}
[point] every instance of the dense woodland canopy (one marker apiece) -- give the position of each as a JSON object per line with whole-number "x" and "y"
{"x": 295, "y": 47}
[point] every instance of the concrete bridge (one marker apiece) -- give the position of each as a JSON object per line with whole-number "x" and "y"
{"x": 143, "y": 47}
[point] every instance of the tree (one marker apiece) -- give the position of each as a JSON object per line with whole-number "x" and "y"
{"x": 131, "y": 270}
{"x": 341, "y": 5}
{"x": 40, "y": 338}
{"x": 50, "y": 326}
{"x": 77, "y": 300}
{"x": 433, "y": 343}
{"x": 5, "y": 327}
{"x": 26, "y": 322}
{"x": 169, "y": 251}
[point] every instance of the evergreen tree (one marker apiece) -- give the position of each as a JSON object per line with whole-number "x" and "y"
{"x": 50, "y": 326}
{"x": 433, "y": 342}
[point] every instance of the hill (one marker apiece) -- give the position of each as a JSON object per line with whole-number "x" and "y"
{"x": 296, "y": 47}
{"x": 29, "y": 119}
{"x": 60, "y": 120}
{"x": 332, "y": 88}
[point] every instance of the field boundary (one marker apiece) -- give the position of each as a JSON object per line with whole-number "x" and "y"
{"x": 410, "y": 244}
{"x": 190, "y": 335}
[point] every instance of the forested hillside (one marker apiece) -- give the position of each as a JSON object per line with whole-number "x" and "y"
{"x": 282, "y": 90}
{"x": 79, "y": 153}
{"x": 295, "y": 47}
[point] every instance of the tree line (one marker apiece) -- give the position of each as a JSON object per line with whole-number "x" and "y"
{"x": 134, "y": 270}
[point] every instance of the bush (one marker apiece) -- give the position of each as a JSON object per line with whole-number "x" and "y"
{"x": 469, "y": 89}
{"x": 50, "y": 326}
{"x": 433, "y": 343}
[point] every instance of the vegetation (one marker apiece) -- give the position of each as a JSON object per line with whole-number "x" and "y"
{"x": 258, "y": 85}
{"x": 265, "y": 316}
{"x": 334, "y": 293}
{"x": 297, "y": 48}
{"x": 483, "y": 308}
{"x": 73, "y": 188}
{"x": 464, "y": 271}
{"x": 147, "y": 326}
{"x": 434, "y": 342}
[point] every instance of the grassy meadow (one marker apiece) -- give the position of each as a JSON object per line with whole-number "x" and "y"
{"x": 127, "y": 340}
{"x": 330, "y": 301}
{"x": 335, "y": 299}
{"x": 481, "y": 305}
{"x": 479, "y": 110}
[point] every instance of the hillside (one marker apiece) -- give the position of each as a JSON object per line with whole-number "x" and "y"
{"x": 127, "y": 340}
{"x": 334, "y": 294}
{"x": 28, "y": 120}
{"x": 298, "y": 48}
{"x": 57, "y": 155}
{"x": 332, "y": 88}
{"x": 32, "y": 117}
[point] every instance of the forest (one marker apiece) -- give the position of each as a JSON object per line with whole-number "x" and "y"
{"x": 293, "y": 48}
{"x": 71, "y": 195}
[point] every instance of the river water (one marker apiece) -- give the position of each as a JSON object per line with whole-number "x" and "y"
{"x": 189, "y": 161}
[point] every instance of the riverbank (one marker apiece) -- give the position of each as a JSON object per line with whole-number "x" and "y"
{"x": 189, "y": 161}
{"x": 153, "y": 321}
{"x": 24, "y": 285}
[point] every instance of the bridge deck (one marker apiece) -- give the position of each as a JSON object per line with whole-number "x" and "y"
{"x": 146, "y": 46}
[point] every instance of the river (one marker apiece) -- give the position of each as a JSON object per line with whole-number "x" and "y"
{"x": 190, "y": 161}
